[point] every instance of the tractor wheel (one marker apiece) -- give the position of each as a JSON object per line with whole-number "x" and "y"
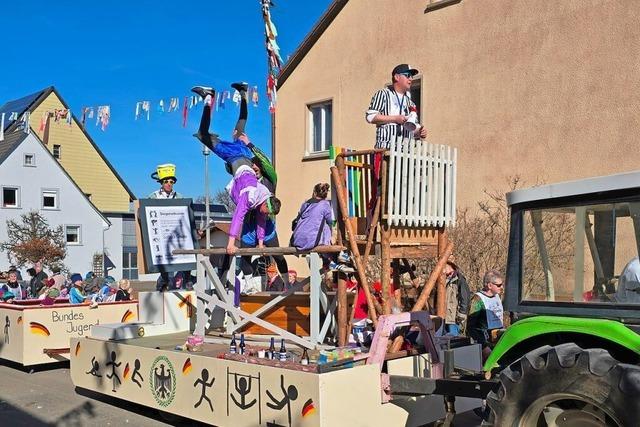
{"x": 567, "y": 386}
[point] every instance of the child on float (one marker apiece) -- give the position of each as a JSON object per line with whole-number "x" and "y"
{"x": 124, "y": 290}
{"x": 312, "y": 227}
{"x": 246, "y": 192}
{"x": 76, "y": 295}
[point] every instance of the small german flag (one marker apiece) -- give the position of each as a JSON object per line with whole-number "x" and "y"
{"x": 308, "y": 408}
{"x": 187, "y": 302}
{"x": 126, "y": 371}
{"x": 39, "y": 329}
{"x": 19, "y": 320}
{"x": 186, "y": 368}
{"x": 127, "y": 316}
{"x": 77, "y": 348}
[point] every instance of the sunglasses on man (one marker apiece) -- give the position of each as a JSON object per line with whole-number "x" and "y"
{"x": 407, "y": 75}
{"x": 168, "y": 181}
{"x": 499, "y": 285}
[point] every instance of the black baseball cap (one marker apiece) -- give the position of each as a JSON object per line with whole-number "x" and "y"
{"x": 404, "y": 68}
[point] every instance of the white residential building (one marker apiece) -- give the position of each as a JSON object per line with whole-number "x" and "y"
{"x": 32, "y": 179}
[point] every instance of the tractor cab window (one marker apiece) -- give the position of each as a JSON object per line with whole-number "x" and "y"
{"x": 581, "y": 254}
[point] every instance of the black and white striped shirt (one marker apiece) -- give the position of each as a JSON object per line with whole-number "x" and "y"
{"x": 389, "y": 103}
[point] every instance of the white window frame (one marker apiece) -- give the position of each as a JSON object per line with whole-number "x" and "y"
{"x": 310, "y": 151}
{"x": 66, "y": 229}
{"x": 53, "y": 151}
{"x": 57, "y": 199}
{"x": 13, "y": 187}
{"x": 24, "y": 160}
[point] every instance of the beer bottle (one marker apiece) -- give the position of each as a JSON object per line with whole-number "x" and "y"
{"x": 233, "y": 348}
{"x": 305, "y": 357}
{"x": 272, "y": 349}
{"x": 283, "y": 351}
{"x": 242, "y": 345}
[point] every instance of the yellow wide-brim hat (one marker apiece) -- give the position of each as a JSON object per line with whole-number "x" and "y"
{"x": 165, "y": 171}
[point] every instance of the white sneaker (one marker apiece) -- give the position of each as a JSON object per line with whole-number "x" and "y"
{"x": 343, "y": 257}
{"x": 340, "y": 267}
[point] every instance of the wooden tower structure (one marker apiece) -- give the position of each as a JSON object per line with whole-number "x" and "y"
{"x": 396, "y": 204}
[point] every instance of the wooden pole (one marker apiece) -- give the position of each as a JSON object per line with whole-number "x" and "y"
{"x": 437, "y": 271}
{"x": 342, "y": 202}
{"x": 342, "y": 311}
{"x": 385, "y": 243}
{"x": 441, "y": 300}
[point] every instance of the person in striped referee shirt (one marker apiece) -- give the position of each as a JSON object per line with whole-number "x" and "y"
{"x": 390, "y": 108}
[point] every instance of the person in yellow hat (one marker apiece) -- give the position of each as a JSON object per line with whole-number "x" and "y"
{"x": 166, "y": 176}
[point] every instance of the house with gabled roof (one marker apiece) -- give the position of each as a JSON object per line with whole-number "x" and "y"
{"x": 540, "y": 90}
{"x": 31, "y": 179}
{"x": 71, "y": 146}
{"x": 74, "y": 148}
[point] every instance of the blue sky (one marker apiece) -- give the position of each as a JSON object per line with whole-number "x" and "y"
{"x": 117, "y": 53}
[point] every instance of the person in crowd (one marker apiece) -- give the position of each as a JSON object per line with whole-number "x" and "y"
{"x": 390, "y": 108}
{"x": 14, "y": 268}
{"x": 14, "y": 286}
{"x": 274, "y": 281}
{"x": 124, "y": 290}
{"x": 58, "y": 278}
{"x": 486, "y": 311}
{"x": 76, "y": 294}
{"x": 51, "y": 293}
{"x": 38, "y": 279}
{"x": 629, "y": 283}
{"x": 457, "y": 298}
{"x": 293, "y": 279}
{"x": 246, "y": 192}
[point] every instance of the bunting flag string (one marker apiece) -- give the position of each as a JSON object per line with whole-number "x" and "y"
{"x": 102, "y": 113}
{"x": 274, "y": 61}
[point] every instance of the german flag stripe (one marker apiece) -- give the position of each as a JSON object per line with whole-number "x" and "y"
{"x": 19, "y": 320}
{"x": 126, "y": 371}
{"x": 308, "y": 408}
{"x": 186, "y": 368}
{"x": 39, "y": 329}
{"x": 77, "y": 348}
{"x": 127, "y": 316}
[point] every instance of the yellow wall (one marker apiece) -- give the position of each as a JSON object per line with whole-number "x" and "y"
{"x": 81, "y": 161}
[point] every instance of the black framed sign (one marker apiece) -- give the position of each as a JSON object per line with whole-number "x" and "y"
{"x": 167, "y": 224}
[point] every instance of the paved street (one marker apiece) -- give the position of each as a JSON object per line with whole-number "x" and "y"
{"x": 47, "y": 397}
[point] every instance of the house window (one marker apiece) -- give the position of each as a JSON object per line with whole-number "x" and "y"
{"x": 57, "y": 151}
{"x": 10, "y": 197}
{"x": 29, "y": 159}
{"x": 130, "y": 263}
{"x": 49, "y": 199}
{"x": 72, "y": 233}
{"x": 320, "y": 127}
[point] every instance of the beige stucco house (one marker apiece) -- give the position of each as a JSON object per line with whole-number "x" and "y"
{"x": 548, "y": 90}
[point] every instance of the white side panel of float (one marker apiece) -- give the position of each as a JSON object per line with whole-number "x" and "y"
{"x": 51, "y": 327}
{"x": 202, "y": 388}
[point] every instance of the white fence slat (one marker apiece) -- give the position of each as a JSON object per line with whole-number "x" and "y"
{"x": 409, "y": 195}
{"x": 391, "y": 191}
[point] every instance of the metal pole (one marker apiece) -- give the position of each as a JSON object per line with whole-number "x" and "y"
{"x": 205, "y": 153}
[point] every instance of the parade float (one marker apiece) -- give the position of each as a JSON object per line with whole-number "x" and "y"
{"x": 215, "y": 373}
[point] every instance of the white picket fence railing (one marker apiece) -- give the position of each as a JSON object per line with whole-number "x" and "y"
{"x": 422, "y": 184}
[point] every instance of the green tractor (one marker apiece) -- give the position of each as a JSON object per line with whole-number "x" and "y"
{"x": 571, "y": 356}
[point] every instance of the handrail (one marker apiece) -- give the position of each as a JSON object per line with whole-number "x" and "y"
{"x": 262, "y": 251}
